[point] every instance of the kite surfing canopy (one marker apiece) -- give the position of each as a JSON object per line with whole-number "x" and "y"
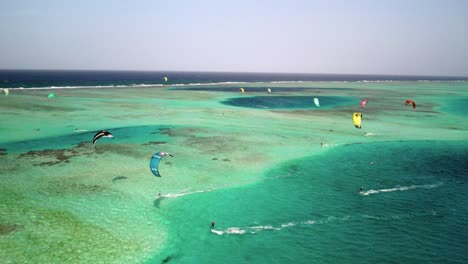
{"x": 409, "y": 101}
{"x": 316, "y": 102}
{"x": 165, "y": 78}
{"x": 269, "y": 90}
{"x": 363, "y": 103}
{"x": 155, "y": 160}
{"x": 101, "y": 134}
{"x": 357, "y": 119}
{"x": 242, "y": 90}
{"x": 6, "y": 91}
{"x": 51, "y": 95}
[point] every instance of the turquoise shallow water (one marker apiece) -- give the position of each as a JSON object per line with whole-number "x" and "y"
{"x": 289, "y": 102}
{"x": 310, "y": 210}
{"x": 122, "y": 135}
{"x": 276, "y": 195}
{"x": 458, "y": 106}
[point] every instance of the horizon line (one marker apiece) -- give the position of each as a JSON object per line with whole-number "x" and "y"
{"x": 240, "y": 72}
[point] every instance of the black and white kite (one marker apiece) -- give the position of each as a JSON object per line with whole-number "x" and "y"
{"x": 101, "y": 134}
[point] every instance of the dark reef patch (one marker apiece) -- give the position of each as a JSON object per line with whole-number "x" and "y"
{"x": 71, "y": 188}
{"x": 169, "y": 258}
{"x": 154, "y": 143}
{"x": 181, "y": 132}
{"x": 56, "y": 156}
{"x": 123, "y": 135}
{"x": 167, "y": 131}
{"x": 213, "y": 144}
{"x": 6, "y": 228}
{"x": 119, "y": 178}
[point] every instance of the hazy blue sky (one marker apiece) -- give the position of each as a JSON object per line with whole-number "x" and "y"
{"x": 382, "y": 37}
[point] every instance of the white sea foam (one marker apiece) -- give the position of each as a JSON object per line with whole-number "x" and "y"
{"x": 403, "y": 188}
{"x": 288, "y": 224}
{"x": 286, "y": 82}
{"x": 265, "y": 227}
{"x": 217, "y": 231}
{"x": 206, "y": 84}
{"x": 231, "y": 231}
{"x": 235, "y": 230}
{"x": 87, "y": 87}
{"x": 129, "y": 85}
{"x": 292, "y": 224}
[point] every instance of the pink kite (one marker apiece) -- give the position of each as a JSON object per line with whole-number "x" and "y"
{"x": 363, "y": 103}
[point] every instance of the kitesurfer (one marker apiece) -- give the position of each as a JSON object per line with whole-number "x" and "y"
{"x": 361, "y": 189}
{"x": 212, "y": 224}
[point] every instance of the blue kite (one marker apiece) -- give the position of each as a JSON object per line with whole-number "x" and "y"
{"x": 154, "y": 162}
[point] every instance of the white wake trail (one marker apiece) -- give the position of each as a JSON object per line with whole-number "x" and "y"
{"x": 402, "y": 188}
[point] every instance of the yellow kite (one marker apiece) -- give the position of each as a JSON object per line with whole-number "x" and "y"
{"x": 357, "y": 119}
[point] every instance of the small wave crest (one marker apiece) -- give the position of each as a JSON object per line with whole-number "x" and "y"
{"x": 207, "y": 84}
{"x": 402, "y": 188}
{"x": 126, "y": 86}
{"x": 87, "y": 87}
{"x": 286, "y": 81}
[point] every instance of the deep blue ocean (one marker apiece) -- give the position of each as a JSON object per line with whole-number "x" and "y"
{"x": 74, "y": 78}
